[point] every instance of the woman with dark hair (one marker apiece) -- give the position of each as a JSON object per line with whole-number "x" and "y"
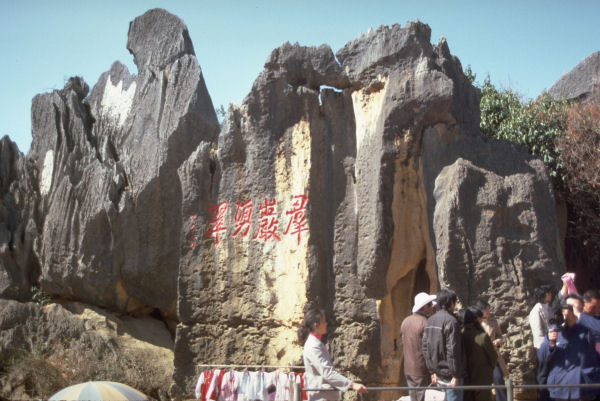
{"x": 539, "y": 320}
{"x": 540, "y": 315}
{"x": 481, "y": 355}
{"x": 319, "y": 371}
{"x": 492, "y": 328}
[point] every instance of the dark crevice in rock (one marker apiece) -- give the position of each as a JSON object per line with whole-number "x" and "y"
{"x": 88, "y": 121}
{"x": 375, "y": 87}
{"x": 163, "y": 95}
{"x": 470, "y": 271}
{"x": 172, "y": 60}
{"x": 112, "y": 150}
{"x": 66, "y": 127}
{"x": 59, "y": 137}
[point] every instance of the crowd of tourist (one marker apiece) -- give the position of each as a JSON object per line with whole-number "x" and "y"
{"x": 461, "y": 349}
{"x": 568, "y": 344}
{"x": 444, "y": 348}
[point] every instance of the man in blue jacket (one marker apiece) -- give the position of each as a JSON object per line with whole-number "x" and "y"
{"x": 586, "y": 310}
{"x": 570, "y": 357}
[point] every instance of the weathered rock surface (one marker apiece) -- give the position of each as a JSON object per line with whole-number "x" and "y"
{"x": 349, "y": 181}
{"x": 19, "y": 200}
{"x": 108, "y": 172}
{"x": 402, "y": 194}
{"x": 67, "y": 334}
{"x": 580, "y": 82}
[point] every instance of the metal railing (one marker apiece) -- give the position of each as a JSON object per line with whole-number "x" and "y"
{"x": 508, "y": 386}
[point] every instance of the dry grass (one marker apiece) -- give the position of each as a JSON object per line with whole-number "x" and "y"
{"x": 32, "y": 375}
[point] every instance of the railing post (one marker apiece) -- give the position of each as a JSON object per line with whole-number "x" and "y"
{"x": 509, "y": 390}
{"x": 298, "y": 392}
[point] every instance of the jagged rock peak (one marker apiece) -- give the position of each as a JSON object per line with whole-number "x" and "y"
{"x": 578, "y": 83}
{"x": 157, "y": 38}
{"x": 9, "y": 152}
{"x": 77, "y": 85}
{"x": 385, "y": 43}
{"x": 307, "y": 66}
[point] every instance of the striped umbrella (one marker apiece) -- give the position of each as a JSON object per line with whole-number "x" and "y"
{"x": 99, "y": 391}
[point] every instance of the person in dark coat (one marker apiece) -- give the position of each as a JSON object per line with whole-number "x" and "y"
{"x": 481, "y": 355}
{"x": 570, "y": 358}
{"x": 492, "y": 328}
{"x": 443, "y": 347}
{"x": 586, "y": 311}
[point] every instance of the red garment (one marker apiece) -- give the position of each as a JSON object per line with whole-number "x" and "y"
{"x": 300, "y": 377}
{"x": 215, "y": 385}
{"x": 203, "y": 383}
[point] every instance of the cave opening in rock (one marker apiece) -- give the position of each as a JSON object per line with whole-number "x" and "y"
{"x": 422, "y": 282}
{"x": 394, "y": 307}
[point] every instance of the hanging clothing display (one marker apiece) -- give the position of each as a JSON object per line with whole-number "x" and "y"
{"x": 232, "y": 385}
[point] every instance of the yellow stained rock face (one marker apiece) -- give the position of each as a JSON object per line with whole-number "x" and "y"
{"x": 282, "y": 347}
{"x": 411, "y": 269}
{"x": 129, "y": 304}
{"x": 367, "y": 111}
{"x": 409, "y": 247}
{"x": 283, "y": 282}
{"x": 122, "y": 296}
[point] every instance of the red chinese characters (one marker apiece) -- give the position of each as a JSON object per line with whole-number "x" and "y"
{"x": 267, "y": 222}
{"x": 216, "y": 215}
{"x": 243, "y": 214}
{"x": 297, "y": 222}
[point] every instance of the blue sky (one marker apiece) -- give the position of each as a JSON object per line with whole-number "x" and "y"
{"x": 525, "y": 45}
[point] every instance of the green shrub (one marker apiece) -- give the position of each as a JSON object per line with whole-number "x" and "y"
{"x": 566, "y": 136}
{"x": 38, "y": 296}
{"x": 536, "y": 125}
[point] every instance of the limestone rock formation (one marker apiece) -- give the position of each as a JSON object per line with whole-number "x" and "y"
{"x": 108, "y": 172}
{"x": 580, "y": 82}
{"x": 350, "y": 181}
{"x": 19, "y": 214}
{"x": 354, "y": 186}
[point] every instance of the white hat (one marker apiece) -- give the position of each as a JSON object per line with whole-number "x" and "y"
{"x": 422, "y": 299}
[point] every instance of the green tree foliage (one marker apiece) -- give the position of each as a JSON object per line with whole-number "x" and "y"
{"x": 566, "y": 136}
{"x": 536, "y": 125}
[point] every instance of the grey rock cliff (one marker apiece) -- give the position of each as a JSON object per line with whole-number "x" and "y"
{"x": 108, "y": 165}
{"x": 19, "y": 223}
{"x": 580, "y": 82}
